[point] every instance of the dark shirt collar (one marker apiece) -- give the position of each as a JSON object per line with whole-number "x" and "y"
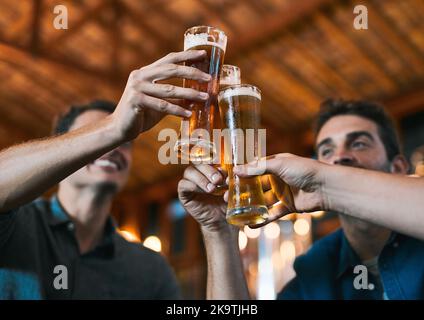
{"x": 348, "y": 257}
{"x": 59, "y": 217}
{"x": 58, "y": 214}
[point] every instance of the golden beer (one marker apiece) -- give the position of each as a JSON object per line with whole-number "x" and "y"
{"x": 230, "y": 75}
{"x": 240, "y": 112}
{"x": 195, "y": 142}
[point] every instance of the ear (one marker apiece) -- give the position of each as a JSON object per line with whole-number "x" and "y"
{"x": 399, "y": 165}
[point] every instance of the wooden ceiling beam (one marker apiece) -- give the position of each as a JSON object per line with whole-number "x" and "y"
{"x": 410, "y": 46}
{"x": 138, "y": 19}
{"x": 328, "y": 72}
{"x": 212, "y": 12}
{"x": 116, "y": 37}
{"x": 407, "y": 103}
{"x": 273, "y": 26}
{"x": 329, "y": 28}
{"x": 258, "y": 7}
{"x": 389, "y": 33}
{"x": 13, "y": 48}
{"x": 88, "y": 16}
{"x": 171, "y": 16}
{"x": 36, "y": 25}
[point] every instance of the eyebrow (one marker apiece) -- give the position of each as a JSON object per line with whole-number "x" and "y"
{"x": 350, "y": 137}
{"x": 356, "y": 134}
{"x": 325, "y": 141}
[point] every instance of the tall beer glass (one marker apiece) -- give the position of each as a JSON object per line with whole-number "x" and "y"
{"x": 230, "y": 75}
{"x": 195, "y": 140}
{"x": 240, "y": 111}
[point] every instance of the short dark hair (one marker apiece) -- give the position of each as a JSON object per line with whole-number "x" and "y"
{"x": 365, "y": 109}
{"x": 66, "y": 120}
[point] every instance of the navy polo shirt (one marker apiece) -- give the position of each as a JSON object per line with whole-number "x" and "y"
{"x": 326, "y": 271}
{"x": 38, "y": 237}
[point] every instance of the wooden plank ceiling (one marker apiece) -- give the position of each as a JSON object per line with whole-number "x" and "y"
{"x": 298, "y": 52}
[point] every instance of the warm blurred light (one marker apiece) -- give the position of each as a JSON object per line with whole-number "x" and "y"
{"x": 129, "y": 236}
{"x": 272, "y": 230}
{"x": 287, "y": 250}
{"x": 277, "y": 260}
{"x": 290, "y": 216}
{"x": 301, "y": 227}
{"x": 317, "y": 214}
{"x": 252, "y": 233}
{"x": 242, "y": 240}
{"x": 153, "y": 242}
{"x": 419, "y": 169}
{"x": 253, "y": 268}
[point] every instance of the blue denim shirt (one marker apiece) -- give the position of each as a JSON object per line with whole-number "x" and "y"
{"x": 326, "y": 271}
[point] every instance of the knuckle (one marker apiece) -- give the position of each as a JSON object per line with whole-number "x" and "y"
{"x": 169, "y": 89}
{"x": 134, "y": 74}
{"x": 170, "y": 67}
{"x": 181, "y": 185}
{"x": 162, "y": 105}
{"x": 193, "y": 72}
{"x": 171, "y": 55}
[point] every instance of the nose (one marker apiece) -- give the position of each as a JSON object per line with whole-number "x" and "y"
{"x": 343, "y": 157}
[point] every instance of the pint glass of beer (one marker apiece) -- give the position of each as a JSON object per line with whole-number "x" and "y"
{"x": 240, "y": 112}
{"x": 195, "y": 140}
{"x": 230, "y": 75}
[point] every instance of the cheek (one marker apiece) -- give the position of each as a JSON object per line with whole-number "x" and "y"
{"x": 81, "y": 174}
{"x": 372, "y": 160}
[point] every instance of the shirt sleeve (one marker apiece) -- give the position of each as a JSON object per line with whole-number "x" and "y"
{"x": 291, "y": 291}
{"x": 168, "y": 288}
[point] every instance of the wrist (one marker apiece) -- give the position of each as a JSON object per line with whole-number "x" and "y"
{"x": 114, "y": 132}
{"x": 324, "y": 174}
{"x": 220, "y": 230}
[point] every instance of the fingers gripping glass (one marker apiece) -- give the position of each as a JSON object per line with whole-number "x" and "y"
{"x": 195, "y": 139}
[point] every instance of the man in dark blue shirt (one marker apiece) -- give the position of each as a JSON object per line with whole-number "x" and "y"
{"x": 361, "y": 260}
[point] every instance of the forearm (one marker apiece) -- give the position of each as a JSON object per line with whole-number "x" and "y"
{"x": 226, "y": 279}
{"x": 29, "y": 169}
{"x": 390, "y": 200}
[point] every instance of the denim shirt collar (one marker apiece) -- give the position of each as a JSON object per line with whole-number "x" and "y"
{"x": 348, "y": 257}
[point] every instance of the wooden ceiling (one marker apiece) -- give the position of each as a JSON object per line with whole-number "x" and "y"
{"x": 298, "y": 52}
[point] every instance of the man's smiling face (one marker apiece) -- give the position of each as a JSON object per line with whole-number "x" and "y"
{"x": 112, "y": 168}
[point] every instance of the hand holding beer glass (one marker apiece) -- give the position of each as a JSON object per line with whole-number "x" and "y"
{"x": 195, "y": 141}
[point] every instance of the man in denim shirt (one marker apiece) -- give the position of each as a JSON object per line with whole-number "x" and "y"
{"x": 360, "y": 135}
{"x": 348, "y": 133}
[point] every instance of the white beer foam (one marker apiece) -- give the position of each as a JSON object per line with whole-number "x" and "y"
{"x": 232, "y": 75}
{"x": 239, "y": 91}
{"x": 203, "y": 39}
